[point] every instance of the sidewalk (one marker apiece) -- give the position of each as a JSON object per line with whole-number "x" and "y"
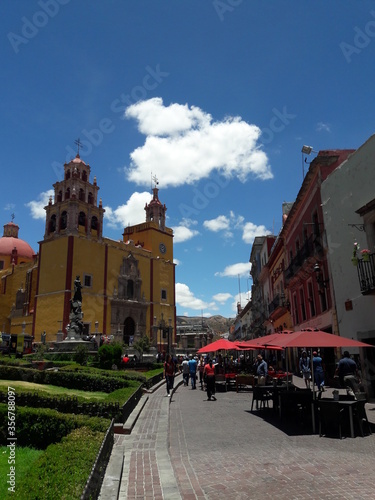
{"x": 140, "y": 465}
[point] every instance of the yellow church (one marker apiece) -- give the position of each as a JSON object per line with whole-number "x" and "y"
{"x": 128, "y": 286}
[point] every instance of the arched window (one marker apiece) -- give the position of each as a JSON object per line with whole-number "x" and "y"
{"x": 67, "y": 194}
{"x": 94, "y": 223}
{"x": 63, "y": 221}
{"x": 52, "y": 224}
{"x": 59, "y": 196}
{"x": 81, "y": 195}
{"x": 82, "y": 219}
{"x": 84, "y": 175}
{"x": 90, "y": 199}
{"x": 67, "y": 174}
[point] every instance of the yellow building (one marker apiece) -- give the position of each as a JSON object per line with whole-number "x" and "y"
{"x": 128, "y": 285}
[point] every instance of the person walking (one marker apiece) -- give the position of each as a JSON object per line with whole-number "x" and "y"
{"x": 318, "y": 371}
{"x": 201, "y": 370}
{"x": 193, "y": 372}
{"x": 185, "y": 371}
{"x": 209, "y": 375}
{"x": 305, "y": 368}
{"x": 169, "y": 372}
{"x": 347, "y": 367}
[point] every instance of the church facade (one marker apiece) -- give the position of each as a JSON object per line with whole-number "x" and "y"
{"x": 128, "y": 285}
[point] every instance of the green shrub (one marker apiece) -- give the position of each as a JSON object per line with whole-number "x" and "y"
{"x": 109, "y": 355}
{"x": 40, "y": 427}
{"x": 81, "y": 355}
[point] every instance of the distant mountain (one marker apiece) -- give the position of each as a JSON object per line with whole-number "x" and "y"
{"x": 218, "y": 324}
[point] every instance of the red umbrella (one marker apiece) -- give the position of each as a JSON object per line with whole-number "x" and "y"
{"x": 315, "y": 338}
{"x": 266, "y": 342}
{"x": 221, "y": 344}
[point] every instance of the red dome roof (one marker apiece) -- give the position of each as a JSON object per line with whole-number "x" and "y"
{"x": 7, "y": 244}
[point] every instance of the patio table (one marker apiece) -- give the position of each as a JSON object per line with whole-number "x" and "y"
{"x": 349, "y": 405}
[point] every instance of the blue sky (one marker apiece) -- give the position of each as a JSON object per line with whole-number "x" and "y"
{"x": 215, "y": 98}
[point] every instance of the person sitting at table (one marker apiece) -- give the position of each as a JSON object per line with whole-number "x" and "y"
{"x": 305, "y": 368}
{"x": 262, "y": 370}
{"x": 318, "y": 371}
{"x": 347, "y": 367}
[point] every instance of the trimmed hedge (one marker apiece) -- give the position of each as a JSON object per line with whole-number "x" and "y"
{"x": 70, "y": 380}
{"x": 126, "y": 375}
{"x": 63, "y": 469}
{"x": 40, "y": 427}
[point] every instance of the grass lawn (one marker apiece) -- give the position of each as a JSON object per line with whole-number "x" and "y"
{"x": 51, "y": 390}
{"x": 24, "y": 460}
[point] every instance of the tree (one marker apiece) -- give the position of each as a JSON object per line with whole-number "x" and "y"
{"x": 143, "y": 345}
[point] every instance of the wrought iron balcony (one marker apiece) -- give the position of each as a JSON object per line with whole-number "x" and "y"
{"x": 366, "y": 274}
{"x": 312, "y": 246}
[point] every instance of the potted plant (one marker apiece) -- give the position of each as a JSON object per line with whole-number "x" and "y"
{"x": 365, "y": 254}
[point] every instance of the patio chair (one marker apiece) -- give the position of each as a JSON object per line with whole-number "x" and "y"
{"x": 360, "y": 414}
{"x": 330, "y": 417}
{"x": 261, "y": 397}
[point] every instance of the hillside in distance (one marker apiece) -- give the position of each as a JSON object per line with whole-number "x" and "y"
{"x": 218, "y": 324}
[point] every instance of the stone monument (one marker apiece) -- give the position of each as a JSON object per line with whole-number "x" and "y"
{"x": 74, "y": 329}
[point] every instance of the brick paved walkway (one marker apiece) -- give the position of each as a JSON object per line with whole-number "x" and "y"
{"x": 186, "y": 447}
{"x": 147, "y": 471}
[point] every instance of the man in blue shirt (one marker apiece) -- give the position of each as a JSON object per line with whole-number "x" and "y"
{"x": 262, "y": 368}
{"x": 193, "y": 371}
{"x": 346, "y": 367}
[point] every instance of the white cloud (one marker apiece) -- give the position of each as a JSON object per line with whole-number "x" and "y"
{"x": 222, "y": 297}
{"x": 37, "y": 206}
{"x": 323, "y": 126}
{"x": 232, "y": 222}
{"x": 241, "y": 299}
{"x": 184, "y": 145}
{"x": 130, "y": 213}
{"x": 221, "y": 222}
{"x": 186, "y": 298}
{"x": 250, "y": 231}
{"x": 177, "y": 262}
{"x": 241, "y": 268}
{"x": 183, "y": 232}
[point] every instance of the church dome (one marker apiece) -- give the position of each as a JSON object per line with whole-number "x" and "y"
{"x": 11, "y": 244}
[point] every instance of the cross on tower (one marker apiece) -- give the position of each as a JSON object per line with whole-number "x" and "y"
{"x": 12, "y": 216}
{"x": 155, "y": 179}
{"x": 78, "y": 143}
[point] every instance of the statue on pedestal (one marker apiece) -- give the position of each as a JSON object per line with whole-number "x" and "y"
{"x": 75, "y": 327}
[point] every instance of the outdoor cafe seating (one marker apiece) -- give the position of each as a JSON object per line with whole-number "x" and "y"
{"x": 343, "y": 413}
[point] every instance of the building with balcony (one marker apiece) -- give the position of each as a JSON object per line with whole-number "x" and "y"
{"x": 349, "y": 217}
